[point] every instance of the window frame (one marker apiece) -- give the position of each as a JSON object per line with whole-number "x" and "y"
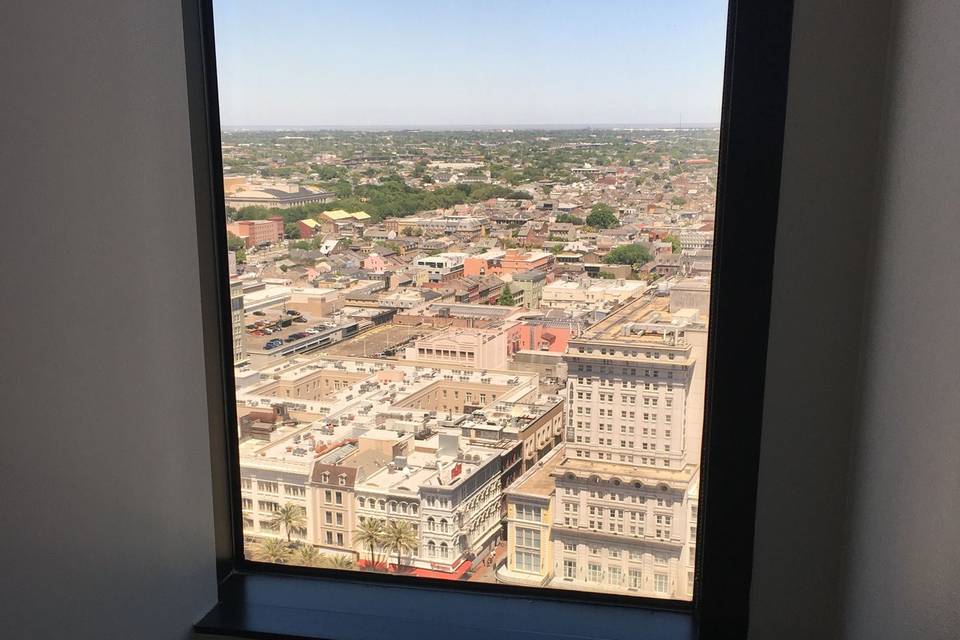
{"x": 751, "y": 144}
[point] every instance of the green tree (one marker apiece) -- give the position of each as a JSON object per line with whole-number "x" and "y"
{"x": 235, "y": 243}
{"x": 602, "y": 216}
{"x": 337, "y": 562}
{"x": 628, "y": 254}
{"x": 674, "y": 242}
{"x": 238, "y": 246}
{"x": 307, "y": 555}
{"x": 291, "y": 230}
{"x": 678, "y": 201}
{"x": 272, "y": 550}
{"x": 566, "y": 217}
{"x": 370, "y": 534}
{"x": 290, "y": 516}
{"x": 399, "y": 537}
{"x": 506, "y": 297}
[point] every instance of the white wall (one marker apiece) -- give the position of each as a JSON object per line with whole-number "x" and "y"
{"x": 107, "y": 529}
{"x": 904, "y": 575}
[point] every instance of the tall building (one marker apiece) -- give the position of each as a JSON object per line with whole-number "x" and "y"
{"x": 622, "y": 498}
{"x": 236, "y": 321}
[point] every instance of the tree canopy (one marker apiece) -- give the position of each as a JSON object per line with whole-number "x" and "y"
{"x": 566, "y": 217}
{"x": 628, "y": 254}
{"x": 391, "y": 198}
{"x": 506, "y": 297}
{"x": 674, "y": 242}
{"x": 602, "y": 216}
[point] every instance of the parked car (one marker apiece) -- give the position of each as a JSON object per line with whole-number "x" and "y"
{"x": 273, "y": 344}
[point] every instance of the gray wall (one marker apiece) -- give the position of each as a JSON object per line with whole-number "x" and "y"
{"x": 107, "y": 529}
{"x": 823, "y": 244}
{"x": 904, "y": 570}
{"x": 859, "y": 507}
{"x": 104, "y": 457}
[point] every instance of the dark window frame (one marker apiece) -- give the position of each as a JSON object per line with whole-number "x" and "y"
{"x": 751, "y": 145}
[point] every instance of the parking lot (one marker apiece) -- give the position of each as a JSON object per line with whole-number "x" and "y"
{"x": 375, "y": 341}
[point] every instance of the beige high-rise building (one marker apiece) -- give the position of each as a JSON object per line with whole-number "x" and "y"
{"x": 623, "y": 501}
{"x": 236, "y": 321}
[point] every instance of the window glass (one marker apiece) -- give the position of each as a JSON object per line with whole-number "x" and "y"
{"x": 470, "y": 254}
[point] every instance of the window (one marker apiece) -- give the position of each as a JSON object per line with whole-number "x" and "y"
{"x": 528, "y": 512}
{"x": 528, "y": 550}
{"x": 615, "y": 576}
{"x": 266, "y": 487}
{"x": 660, "y": 582}
{"x": 570, "y": 569}
{"x": 272, "y": 161}
{"x": 594, "y": 574}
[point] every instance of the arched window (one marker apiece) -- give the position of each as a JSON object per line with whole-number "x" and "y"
{"x": 361, "y": 501}
{"x": 431, "y": 523}
{"x": 431, "y": 549}
{"x": 382, "y": 505}
{"x": 444, "y": 549}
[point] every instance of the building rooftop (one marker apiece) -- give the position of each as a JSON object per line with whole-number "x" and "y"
{"x": 539, "y": 481}
{"x": 628, "y": 473}
{"x": 644, "y": 320}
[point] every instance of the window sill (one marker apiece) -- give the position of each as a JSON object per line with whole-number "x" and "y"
{"x": 274, "y": 606}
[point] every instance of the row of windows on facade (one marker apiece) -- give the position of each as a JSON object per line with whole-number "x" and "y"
{"x": 614, "y": 576}
{"x": 606, "y": 455}
{"x": 624, "y": 444}
{"x": 390, "y": 506}
{"x": 626, "y": 398}
{"x": 617, "y": 514}
{"x": 633, "y": 353}
{"x": 446, "y": 353}
{"x": 293, "y": 490}
{"x": 648, "y": 416}
{"x": 625, "y": 371}
{"x": 468, "y": 395}
{"x": 618, "y": 527}
{"x": 648, "y": 386}
{"x": 617, "y": 496}
{"x": 624, "y": 428}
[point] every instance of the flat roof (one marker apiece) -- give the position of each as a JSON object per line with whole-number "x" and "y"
{"x": 539, "y": 480}
{"x": 628, "y": 472}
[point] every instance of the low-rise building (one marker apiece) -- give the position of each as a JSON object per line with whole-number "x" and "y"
{"x": 565, "y": 294}
{"x": 257, "y": 232}
{"x": 272, "y": 195}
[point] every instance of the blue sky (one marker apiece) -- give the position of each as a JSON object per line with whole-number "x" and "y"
{"x": 455, "y": 62}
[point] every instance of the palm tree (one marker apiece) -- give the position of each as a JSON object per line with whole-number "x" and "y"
{"x": 370, "y": 534}
{"x": 290, "y": 516}
{"x": 272, "y": 550}
{"x": 399, "y": 537}
{"x": 308, "y": 556}
{"x": 338, "y": 562}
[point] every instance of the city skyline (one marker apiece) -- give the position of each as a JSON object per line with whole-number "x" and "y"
{"x": 507, "y": 65}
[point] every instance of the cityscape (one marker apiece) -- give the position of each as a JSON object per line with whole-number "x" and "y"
{"x": 470, "y": 305}
{"x": 473, "y": 355}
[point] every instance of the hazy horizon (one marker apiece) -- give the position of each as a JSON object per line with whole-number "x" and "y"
{"x": 430, "y": 64}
